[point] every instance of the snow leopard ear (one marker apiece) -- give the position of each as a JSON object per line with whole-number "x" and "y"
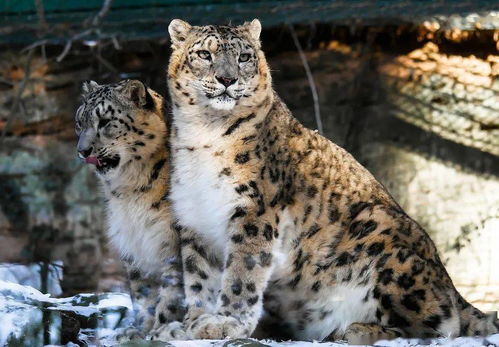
{"x": 178, "y": 30}
{"x": 89, "y": 87}
{"x": 254, "y": 28}
{"x": 136, "y": 91}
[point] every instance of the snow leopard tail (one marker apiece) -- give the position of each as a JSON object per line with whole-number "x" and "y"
{"x": 474, "y": 322}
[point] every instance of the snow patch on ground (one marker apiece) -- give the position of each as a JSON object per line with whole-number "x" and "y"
{"x": 492, "y": 340}
{"x": 76, "y": 304}
{"x": 21, "y": 310}
{"x": 14, "y": 317}
{"x": 443, "y": 342}
{"x": 22, "y": 307}
{"x": 29, "y": 275}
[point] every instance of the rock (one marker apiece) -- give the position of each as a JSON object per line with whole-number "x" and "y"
{"x": 31, "y": 318}
{"x": 50, "y": 198}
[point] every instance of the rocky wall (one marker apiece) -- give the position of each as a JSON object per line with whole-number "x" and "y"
{"x": 426, "y": 123}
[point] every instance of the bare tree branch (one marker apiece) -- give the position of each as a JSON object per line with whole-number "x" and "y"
{"x": 116, "y": 43}
{"x": 94, "y": 23}
{"x": 68, "y": 45}
{"x": 34, "y": 45}
{"x": 106, "y": 6}
{"x": 310, "y": 78}
{"x": 40, "y": 11}
{"x": 106, "y": 63}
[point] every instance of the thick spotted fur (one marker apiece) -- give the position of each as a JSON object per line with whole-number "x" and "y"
{"x": 278, "y": 219}
{"x": 122, "y": 131}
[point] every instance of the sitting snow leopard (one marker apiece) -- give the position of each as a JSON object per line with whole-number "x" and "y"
{"x": 122, "y": 132}
{"x": 276, "y": 217}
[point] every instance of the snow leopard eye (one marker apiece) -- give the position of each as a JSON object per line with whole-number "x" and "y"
{"x": 103, "y": 123}
{"x": 244, "y": 57}
{"x": 77, "y": 120}
{"x": 77, "y": 128}
{"x": 204, "y": 55}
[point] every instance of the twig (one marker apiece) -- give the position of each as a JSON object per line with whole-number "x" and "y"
{"x": 40, "y": 11}
{"x": 68, "y": 45}
{"x": 65, "y": 51}
{"x": 44, "y": 53}
{"x": 94, "y": 24}
{"x": 57, "y": 272}
{"x": 106, "y": 63}
{"x": 102, "y": 13}
{"x": 34, "y": 45}
{"x": 116, "y": 43}
{"x": 310, "y": 78}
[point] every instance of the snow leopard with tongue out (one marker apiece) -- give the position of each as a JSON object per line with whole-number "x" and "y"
{"x": 122, "y": 132}
{"x": 277, "y": 217}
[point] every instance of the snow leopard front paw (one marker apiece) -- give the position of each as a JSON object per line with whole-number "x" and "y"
{"x": 169, "y": 308}
{"x": 167, "y": 332}
{"x": 214, "y": 327}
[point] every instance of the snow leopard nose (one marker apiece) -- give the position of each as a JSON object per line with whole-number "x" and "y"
{"x": 226, "y": 81}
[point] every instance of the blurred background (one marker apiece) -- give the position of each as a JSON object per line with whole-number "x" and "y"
{"x": 410, "y": 88}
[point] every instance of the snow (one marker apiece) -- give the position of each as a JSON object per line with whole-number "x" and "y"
{"x": 118, "y": 299}
{"x": 443, "y": 342}
{"x": 29, "y": 275}
{"x": 14, "y": 317}
{"x": 26, "y": 293}
{"x": 21, "y": 309}
{"x": 31, "y": 295}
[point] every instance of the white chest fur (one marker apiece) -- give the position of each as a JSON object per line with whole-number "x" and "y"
{"x": 203, "y": 198}
{"x": 138, "y": 232}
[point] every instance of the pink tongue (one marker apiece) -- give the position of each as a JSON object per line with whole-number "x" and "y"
{"x": 92, "y": 160}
